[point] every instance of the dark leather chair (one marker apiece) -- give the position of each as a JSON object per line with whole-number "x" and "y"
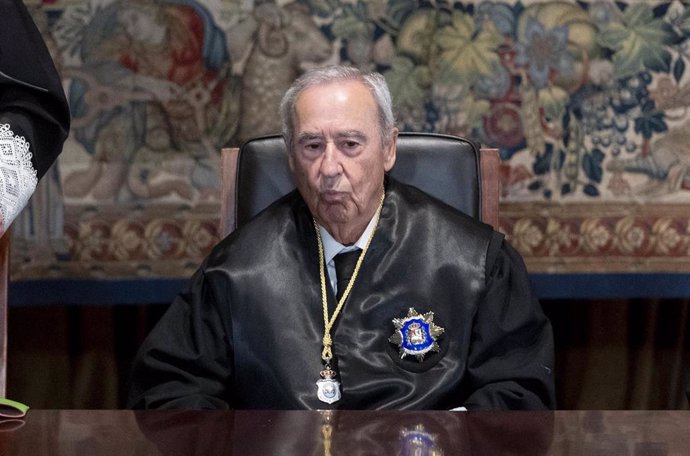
{"x": 451, "y": 168}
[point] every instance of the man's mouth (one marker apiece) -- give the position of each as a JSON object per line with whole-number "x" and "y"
{"x": 332, "y": 196}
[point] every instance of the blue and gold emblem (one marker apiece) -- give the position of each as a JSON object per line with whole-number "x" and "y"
{"x": 416, "y": 334}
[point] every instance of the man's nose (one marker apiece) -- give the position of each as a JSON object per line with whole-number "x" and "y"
{"x": 330, "y": 164}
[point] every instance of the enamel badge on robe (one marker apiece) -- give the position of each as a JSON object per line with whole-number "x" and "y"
{"x": 416, "y": 334}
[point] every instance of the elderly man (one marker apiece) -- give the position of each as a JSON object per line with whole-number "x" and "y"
{"x": 436, "y": 312}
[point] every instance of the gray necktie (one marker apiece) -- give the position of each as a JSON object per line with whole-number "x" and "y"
{"x": 344, "y": 267}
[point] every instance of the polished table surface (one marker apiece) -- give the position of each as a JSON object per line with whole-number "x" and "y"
{"x": 248, "y": 433}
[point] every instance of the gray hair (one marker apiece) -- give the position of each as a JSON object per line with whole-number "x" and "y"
{"x": 375, "y": 82}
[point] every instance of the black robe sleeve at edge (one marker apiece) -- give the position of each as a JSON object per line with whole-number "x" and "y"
{"x": 510, "y": 364}
{"x": 32, "y": 100}
{"x": 186, "y": 360}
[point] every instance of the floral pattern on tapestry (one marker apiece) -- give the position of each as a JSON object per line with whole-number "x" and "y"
{"x": 587, "y": 102}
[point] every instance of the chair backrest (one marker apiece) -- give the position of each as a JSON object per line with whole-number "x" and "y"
{"x": 451, "y": 168}
{"x": 4, "y": 278}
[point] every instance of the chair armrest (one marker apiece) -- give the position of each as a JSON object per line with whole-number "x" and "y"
{"x": 228, "y": 165}
{"x": 489, "y": 168}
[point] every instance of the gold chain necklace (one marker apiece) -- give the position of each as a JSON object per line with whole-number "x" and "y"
{"x": 328, "y": 387}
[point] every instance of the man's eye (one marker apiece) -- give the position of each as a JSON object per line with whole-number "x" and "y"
{"x": 350, "y": 147}
{"x": 311, "y": 150}
{"x": 312, "y": 147}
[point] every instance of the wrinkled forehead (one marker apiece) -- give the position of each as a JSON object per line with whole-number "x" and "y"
{"x": 347, "y": 104}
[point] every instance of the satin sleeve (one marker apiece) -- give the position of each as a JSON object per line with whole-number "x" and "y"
{"x": 510, "y": 363}
{"x": 185, "y": 362}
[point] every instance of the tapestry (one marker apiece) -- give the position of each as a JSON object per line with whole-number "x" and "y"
{"x": 587, "y": 102}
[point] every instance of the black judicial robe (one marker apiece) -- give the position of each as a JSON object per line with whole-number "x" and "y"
{"x": 247, "y": 332}
{"x": 32, "y": 100}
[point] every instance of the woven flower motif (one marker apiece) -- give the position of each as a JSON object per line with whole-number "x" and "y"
{"x": 631, "y": 237}
{"x": 199, "y": 238}
{"x": 127, "y": 240}
{"x": 164, "y": 239}
{"x": 560, "y": 237}
{"x": 665, "y": 237}
{"x": 595, "y": 236}
{"x": 544, "y": 51}
{"x": 526, "y": 236}
{"x": 94, "y": 240}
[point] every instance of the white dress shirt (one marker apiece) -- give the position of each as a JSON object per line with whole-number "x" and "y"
{"x": 331, "y": 248}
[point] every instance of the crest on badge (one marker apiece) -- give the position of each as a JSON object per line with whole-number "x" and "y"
{"x": 416, "y": 334}
{"x": 328, "y": 388}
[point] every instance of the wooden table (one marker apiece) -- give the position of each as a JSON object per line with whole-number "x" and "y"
{"x": 248, "y": 433}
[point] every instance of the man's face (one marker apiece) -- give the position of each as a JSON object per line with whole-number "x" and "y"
{"x": 337, "y": 156}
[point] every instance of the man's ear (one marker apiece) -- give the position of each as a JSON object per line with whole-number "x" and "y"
{"x": 390, "y": 151}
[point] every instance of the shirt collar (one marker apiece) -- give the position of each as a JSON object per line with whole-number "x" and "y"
{"x": 331, "y": 247}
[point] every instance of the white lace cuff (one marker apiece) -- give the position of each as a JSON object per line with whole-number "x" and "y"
{"x": 17, "y": 175}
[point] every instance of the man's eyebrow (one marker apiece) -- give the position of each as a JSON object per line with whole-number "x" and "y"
{"x": 356, "y": 134}
{"x": 304, "y": 137}
{"x": 348, "y": 134}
